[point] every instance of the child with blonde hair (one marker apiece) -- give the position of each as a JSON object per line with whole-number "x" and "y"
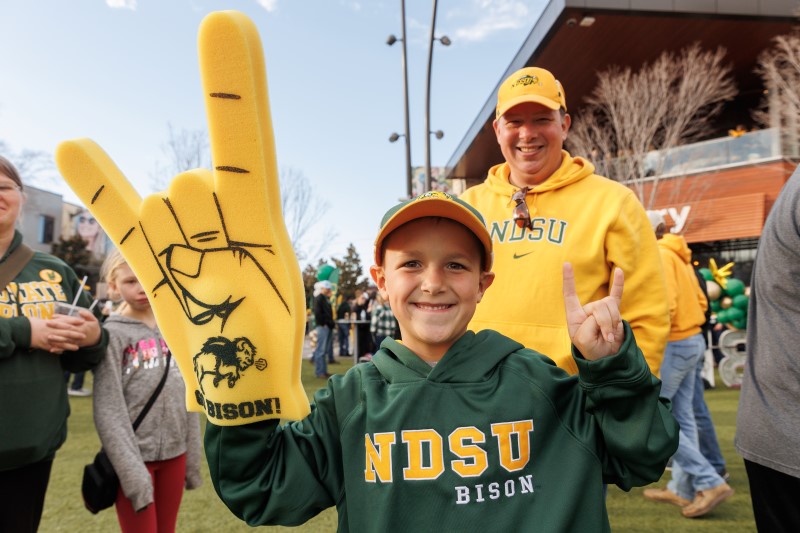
{"x": 162, "y": 456}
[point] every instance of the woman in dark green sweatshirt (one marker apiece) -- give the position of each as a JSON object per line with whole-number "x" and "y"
{"x": 35, "y": 350}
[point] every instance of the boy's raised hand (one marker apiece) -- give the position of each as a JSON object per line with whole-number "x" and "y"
{"x": 595, "y": 329}
{"x": 212, "y": 252}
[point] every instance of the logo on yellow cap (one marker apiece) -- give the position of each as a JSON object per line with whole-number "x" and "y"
{"x": 527, "y": 80}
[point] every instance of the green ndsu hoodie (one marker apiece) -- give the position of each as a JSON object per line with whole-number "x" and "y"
{"x": 495, "y": 437}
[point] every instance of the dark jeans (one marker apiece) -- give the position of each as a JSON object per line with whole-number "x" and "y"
{"x": 344, "y": 339}
{"x": 774, "y": 496}
{"x": 77, "y": 381}
{"x": 22, "y": 500}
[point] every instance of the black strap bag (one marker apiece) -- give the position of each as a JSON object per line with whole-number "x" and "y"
{"x": 100, "y": 483}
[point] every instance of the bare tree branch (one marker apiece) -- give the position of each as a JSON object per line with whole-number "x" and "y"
{"x": 632, "y": 118}
{"x": 184, "y": 150}
{"x": 302, "y": 209}
{"x": 779, "y": 67}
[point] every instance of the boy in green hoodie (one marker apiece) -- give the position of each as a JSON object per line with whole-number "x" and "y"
{"x": 452, "y": 430}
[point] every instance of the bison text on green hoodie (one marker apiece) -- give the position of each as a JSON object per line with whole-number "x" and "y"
{"x": 687, "y": 303}
{"x": 492, "y": 438}
{"x": 580, "y": 217}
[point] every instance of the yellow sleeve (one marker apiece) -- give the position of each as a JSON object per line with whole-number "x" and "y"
{"x": 631, "y": 245}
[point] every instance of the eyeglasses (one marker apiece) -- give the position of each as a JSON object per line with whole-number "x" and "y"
{"x": 522, "y": 217}
{"x": 8, "y": 188}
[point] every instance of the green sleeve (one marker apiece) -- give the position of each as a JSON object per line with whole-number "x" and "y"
{"x": 90, "y": 356}
{"x": 638, "y": 429}
{"x": 15, "y": 334}
{"x": 281, "y": 475}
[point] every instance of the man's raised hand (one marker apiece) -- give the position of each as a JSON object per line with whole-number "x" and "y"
{"x": 595, "y": 329}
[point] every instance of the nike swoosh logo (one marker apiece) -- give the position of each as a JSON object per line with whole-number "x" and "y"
{"x": 521, "y": 255}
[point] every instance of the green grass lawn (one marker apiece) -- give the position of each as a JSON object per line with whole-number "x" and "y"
{"x": 202, "y": 511}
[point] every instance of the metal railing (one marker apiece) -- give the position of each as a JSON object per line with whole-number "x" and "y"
{"x": 714, "y": 154}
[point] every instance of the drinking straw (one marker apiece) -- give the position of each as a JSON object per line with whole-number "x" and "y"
{"x": 78, "y": 295}
{"x": 93, "y": 304}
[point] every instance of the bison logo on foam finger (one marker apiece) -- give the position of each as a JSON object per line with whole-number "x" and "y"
{"x": 225, "y": 360}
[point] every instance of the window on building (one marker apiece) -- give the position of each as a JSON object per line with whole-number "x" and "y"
{"x": 47, "y": 226}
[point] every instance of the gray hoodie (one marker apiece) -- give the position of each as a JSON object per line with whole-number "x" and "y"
{"x": 123, "y": 382}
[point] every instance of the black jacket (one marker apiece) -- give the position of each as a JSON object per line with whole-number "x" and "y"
{"x": 323, "y": 312}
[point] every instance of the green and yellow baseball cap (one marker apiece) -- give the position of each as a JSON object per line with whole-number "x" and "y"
{"x": 435, "y": 204}
{"x": 530, "y": 84}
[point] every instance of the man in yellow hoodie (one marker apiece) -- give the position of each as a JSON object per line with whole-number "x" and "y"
{"x": 544, "y": 207}
{"x": 695, "y": 486}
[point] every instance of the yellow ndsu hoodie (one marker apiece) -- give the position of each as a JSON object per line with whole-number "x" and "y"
{"x": 687, "y": 303}
{"x": 580, "y": 217}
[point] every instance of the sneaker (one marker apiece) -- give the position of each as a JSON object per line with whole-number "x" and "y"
{"x": 725, "y": 475}
{"x": 323, "y": 376}
{"x": 665, "y": 496}
{"x": 79, "y": 392}
{"x": 706, "y": 500}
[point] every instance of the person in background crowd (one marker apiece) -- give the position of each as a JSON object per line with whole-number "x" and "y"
{"x": 768, "y": 419}
{"x": 323, "y": 316}
{"x": 696, "y": 486}
{"x": 706, "y": 432}
{"x": 36, "y": 347}
{"x": 362, "y": 313}
{"x": 156, "y": 462}
{"x": 544, "y": 207}
{"x": 343, "y": 330}
{"x": 383, "y": 322}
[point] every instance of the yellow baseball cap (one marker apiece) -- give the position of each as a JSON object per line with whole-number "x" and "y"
{"x": 435, "y": 204}
{"x": 530, "y": 84}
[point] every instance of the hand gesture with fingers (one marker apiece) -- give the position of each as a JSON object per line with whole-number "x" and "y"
{"x": 595, "y": 329}
{"x": 212, "y": 252}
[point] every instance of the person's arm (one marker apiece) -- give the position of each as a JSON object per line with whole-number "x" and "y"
{"x": 193, "y": 453}
{"x": 15, "y": 333}
{"x": 282, "y": 475}
{"x": 631, "y": 246}
{"x": 80, "y": 338}
{"x": 638, "y": 431}
{"x": 329, "y": 315}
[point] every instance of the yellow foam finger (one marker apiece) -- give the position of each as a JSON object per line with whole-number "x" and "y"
{"x": 110, "y": 197}
{"x": 213, "y": 251}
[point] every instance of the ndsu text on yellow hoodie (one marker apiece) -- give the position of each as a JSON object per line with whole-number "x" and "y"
{"x": 580, "y": 217}
{"x": 687, "y": 303}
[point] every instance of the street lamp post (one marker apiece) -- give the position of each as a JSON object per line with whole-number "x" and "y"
{"x": 390, "y": 41}
{"x": 446, "y": 42}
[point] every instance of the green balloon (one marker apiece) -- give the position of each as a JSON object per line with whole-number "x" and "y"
{"x": 740, "y": 324}
{"x": 734, "y": 314}
{"x": 741, "y": 302}
{"x": 735, "y": 287}
{"x": 716, "y": 306}
{"x": 324, "y": 272}
{"x": 722, "y": 316}
{"x": 707, "y": 275}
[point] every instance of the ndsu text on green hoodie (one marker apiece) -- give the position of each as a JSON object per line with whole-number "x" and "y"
{"x": 580, "y": 217}
{"x": 493, "y": 438}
